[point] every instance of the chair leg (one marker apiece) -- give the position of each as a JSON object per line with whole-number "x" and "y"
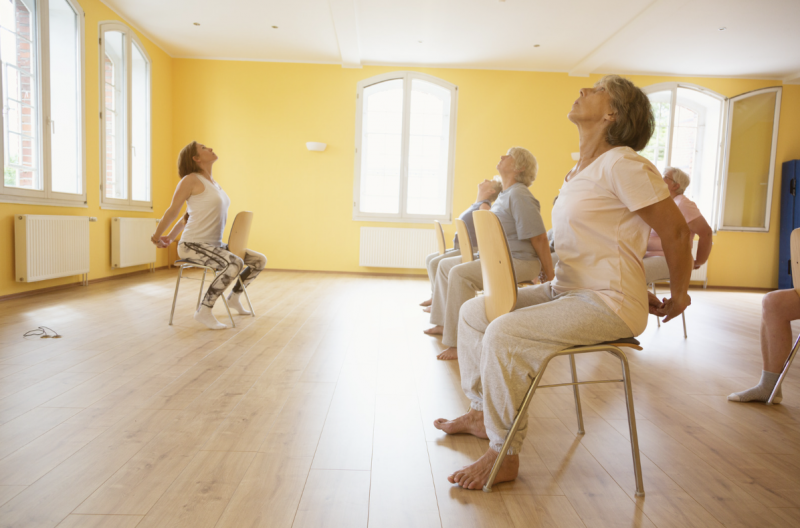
{"x": 683, "y": 315}
{"x": 249, "y": 302}
{"x": 513, "y": 431}
{"x": 576, "y": 392}
{"x": 786, "y": 366}
{"x": 202, "y": 282}
{"x": 637, "y": 463}
{"x": 175, "y": 297}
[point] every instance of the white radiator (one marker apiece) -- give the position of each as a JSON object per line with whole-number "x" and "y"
{"x": 130, "y": 241}
{"x": 392, "y": 247}
{"x": 47, "y": 247}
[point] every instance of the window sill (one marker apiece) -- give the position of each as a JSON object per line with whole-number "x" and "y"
{"x": 120, "y": 207}
{"x": 26, "y": 200}
{"x": 395, "y": 220}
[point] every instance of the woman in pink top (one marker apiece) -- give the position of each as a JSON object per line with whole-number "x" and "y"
{"x": 606, "y": 207}
{"x": 655, "y": 265}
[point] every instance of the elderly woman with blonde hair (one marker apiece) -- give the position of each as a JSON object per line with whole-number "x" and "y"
{"x": 606, "y": 207}
{"x": 518, "y": 211}
{"x": 488, "y": 190}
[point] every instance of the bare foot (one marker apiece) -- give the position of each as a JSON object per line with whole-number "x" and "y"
{"x": 450, "y": 353}
{"x": 427, "y": 303}
{"x": 470, "y": 423}
{"x": 435, "y": 330}
{"x": 427, "y": 309}
{"x": 476, "y": 475}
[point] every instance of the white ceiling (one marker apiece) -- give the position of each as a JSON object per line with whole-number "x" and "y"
{"x": 676, "y": 37}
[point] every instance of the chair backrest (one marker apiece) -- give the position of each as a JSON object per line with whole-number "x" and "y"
{"x": 794, "y": 243}
{"x": 439, "y": 234}
{"x": 497, "y": 268}
{"x": 464, "y": 241}
{"x": 240, "y": 232}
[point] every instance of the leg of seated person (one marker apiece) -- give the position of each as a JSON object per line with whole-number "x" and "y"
{"x": 655, "y": 269}
{"x": 433, "y": 267}
{"x": 219, "y": 259}
{"x": 439, "y": 305}
{"x": 472, "y": 323}
{"x": 255, "y": 263}
{"x": 514, "y": 348}
{"x": 778, "y": 310}
{"x": 464, "y": 283}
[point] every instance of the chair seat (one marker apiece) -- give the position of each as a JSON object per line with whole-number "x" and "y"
{"x": 189, "y": 262}
{"x": 629, "y": 342}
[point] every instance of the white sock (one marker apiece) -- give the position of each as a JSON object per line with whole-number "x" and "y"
{"x": 204, "y": 315}
{"x": 235, "y": 302}
{"x": 760, "y": 392}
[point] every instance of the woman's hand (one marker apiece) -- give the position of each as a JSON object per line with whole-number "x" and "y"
{"x": 655, "y": 305}
{"x": 160, "y": 241}
{"x": 670, "y": 308}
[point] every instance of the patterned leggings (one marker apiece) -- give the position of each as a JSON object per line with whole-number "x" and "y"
{"x": 223, "y": 260}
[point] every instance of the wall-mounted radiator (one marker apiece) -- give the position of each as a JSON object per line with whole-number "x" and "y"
{"x": 48, "y": 247}
{"x": 391, "y": 247}
{"x": 130, "y": 242}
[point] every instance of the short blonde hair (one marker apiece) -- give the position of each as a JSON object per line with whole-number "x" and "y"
{"x": 635, "y": 121}
{"x": 497, "y": 187}
{"x": 525, "y": 163}
{"x": 678, "y": 176}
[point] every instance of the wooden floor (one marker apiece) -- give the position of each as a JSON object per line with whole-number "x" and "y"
{"x": 319, "y": 412}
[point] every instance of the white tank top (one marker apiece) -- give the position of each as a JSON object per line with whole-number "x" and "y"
{"x": 208, "y": 213}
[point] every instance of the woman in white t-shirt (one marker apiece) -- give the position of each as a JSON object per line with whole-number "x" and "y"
{"x": 207, "y": 212}
{"x": 606, "y": 207}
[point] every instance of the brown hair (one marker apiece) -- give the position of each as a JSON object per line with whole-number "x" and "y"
{"x": 186, "y": 163}
{"x": 635, "y": 120}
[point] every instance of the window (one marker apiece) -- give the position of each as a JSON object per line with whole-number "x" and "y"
{"x": 405, "y": 145}
{"x": 125, "y": 120}
{"x": 41, "y": 56}
{"x": 727, "y": 147}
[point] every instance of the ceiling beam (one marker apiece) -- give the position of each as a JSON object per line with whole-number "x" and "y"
{"x": 613, "y": 46}
{"x": 345, "y": 22}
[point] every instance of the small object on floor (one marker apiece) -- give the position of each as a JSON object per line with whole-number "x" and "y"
{"x": 204, "y": 315}
{"x": 42, "y": 332}
{"x": 235, "y": 302}
{"x": 761, "y": 391}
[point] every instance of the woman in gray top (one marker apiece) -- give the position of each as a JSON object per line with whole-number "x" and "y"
{"x": 487, "y": 193}
{"x": 518, "y": 211}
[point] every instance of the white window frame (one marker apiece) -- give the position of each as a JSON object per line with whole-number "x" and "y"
{"x": 128, "y": 204}
{"x": 46, "y": 196}
{"x": 672, "y": 87}
{"x": 726, "y": 159}
{"x": 402, "y": 216}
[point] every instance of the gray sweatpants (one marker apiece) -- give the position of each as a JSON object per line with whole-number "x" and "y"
{"x": 432, "y": 263}
{"x": 498, "y": 361}
{"x": 655, "y": 269}
{"x": 456, "y": 283}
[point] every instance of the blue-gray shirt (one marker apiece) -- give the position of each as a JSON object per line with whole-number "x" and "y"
{"x": 519, "y": 214}
{"x": 466, "y": 216}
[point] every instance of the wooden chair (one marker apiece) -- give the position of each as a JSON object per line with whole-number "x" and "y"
{"x": 237, "y": 244}
{"x": 464, "y": 242}
{"x": 440, "y": 242}
{"x": 500, "y": 298}
{"x": 794, "y": 243}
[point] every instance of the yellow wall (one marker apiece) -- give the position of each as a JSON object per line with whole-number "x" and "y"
{"x": 258, "y": 117}
{"x": 163, "y": 159}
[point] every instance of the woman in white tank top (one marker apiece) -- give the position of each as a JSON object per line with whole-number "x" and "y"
{"x": 203, "y": 225}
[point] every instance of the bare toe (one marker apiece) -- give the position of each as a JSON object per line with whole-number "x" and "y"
{"x": 449, "y": 354}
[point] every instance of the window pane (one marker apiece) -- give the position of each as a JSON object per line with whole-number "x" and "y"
{"x": 428, "y": 149}
{"x": 381, "y": 145}
{"x": 695, "y": 144}
{"x": 65, "y": 126}
{"x": 114, "y": 115}
{"x": 750, "y": 153}
{"x": 20, "y": 94}
{"x": 656, "y": 149}
{"x": 140, "y": 125}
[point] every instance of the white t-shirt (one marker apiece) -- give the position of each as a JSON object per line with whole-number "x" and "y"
{"x": 600, "y": 240}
